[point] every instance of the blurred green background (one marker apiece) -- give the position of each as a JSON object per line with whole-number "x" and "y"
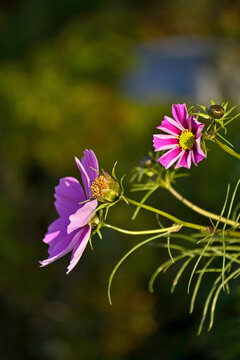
{"x": 101, "y": 74}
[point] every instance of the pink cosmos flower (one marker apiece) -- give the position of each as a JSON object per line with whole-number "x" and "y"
{"x": 72, "y": 230}
{"x": 182, "y": 139}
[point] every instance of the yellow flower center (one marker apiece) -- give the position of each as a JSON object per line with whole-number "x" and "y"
{"x": 186, "y": 140}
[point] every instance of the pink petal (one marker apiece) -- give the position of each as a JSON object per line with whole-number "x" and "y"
{"x": 185, "y": 159}
{"x": 199, "y": 149}
{"x": 79, "y": 247}
{"x": 195, "y": 126}
{"x": 180, "y": 160}
{"x": 68, "y": 195}
{"x": 65, "y": 244}
{"x": 170, "y": 157}
{"x": 170, "y": 126}
{"x": 82, "y": 216}
{"x": 180, "y": 114}
{"x": 197, "y": 153}
{"x": 164, "y": 142}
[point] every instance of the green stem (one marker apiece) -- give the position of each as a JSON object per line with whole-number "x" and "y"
{"x": 167, "y": 231}
{"x": 199, "y": 210}
{"x": 168, "y": 216}
{"x": 232, "y": 233}
{"x": 144, "y": 232}
{"x": 227, "y": 149}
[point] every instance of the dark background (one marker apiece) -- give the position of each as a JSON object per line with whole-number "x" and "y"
{"x": 101, "y": 74}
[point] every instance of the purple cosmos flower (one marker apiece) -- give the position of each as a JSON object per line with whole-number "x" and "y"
{"x": 72, "y": 230}
{"x": 182, "y": 139}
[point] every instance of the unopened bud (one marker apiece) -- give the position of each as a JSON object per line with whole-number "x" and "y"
{"x": 146, "y": 161}
{"x": 105, "y": 188}
{"x": 216, "y": 111}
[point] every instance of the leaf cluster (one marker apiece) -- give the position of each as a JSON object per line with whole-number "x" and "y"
{"x": 217, "y": 253}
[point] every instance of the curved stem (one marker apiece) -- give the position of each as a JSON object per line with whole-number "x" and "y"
{"x": 200, "y": 210}
{"x": 168, "y": 216}
{"x": 144, "y": 232}
{"x": 169, "y": 230}
{"x": 227, "y": 149}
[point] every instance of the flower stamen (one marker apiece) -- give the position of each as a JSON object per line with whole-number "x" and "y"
{"x": 105, "y": 188}
{"x": 186, "y": 140}
{"x": 98, "y": 186}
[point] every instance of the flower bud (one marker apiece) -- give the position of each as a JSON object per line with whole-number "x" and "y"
{"x": 216, "y": 111}
{"x": 105, "y": 188}
{"x": 146, "y": 161}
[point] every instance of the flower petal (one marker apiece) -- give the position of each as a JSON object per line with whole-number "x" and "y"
{"x": 197, "y": 153}
{"x": 170, "y": 126}
{"x": 180, "y": 159}
{"x": 180, "y": 114}
{"x": 185, "y": 159}
{"x": 82, "y": 216}
{"x": 55, "y": 229}
{"x": 90, "y": 163}
{"x": 68, "y": 195}
{"x": 85, "y": 178}
{"x": 170, "y": 157}
{"x": 164, "y": 142}
{"x": 88, "y": 167}
{"x": 64, "y": 245}
{"x": 79, "y": 247}
{"x": 195, "y": 126}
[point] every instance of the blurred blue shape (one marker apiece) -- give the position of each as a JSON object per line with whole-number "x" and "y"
{"x": 173, "y": 67}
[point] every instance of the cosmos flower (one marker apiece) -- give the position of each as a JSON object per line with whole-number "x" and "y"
{"x": 72, "y": 230}
{"x": 182, "y": 139}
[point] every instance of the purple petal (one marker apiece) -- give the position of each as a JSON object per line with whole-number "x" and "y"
{"x": 82, "y": 216}
{"x": 170, "y": 126}
{"x": 170, "y": 157}
{"x": 79, "y": 247}
{"x": 195, "y": 126}
{"x": 197, "y": 153}
{"x": 180, "y": 114}
{"x": 164, "y": 142}
{"x": 55, "y": 229}
{"x": 85, "y": 178}
{"x": 68, "y": 195}
{"x": 90, "y": 163}
{"x": 86, "y": 166}
{"x": 184, "y": 159}
{"x": 65, "y": 243}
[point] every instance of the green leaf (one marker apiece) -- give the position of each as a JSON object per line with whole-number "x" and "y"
{"x": 125, "y": 257}
{"x": 198, "y": 283}
{"x": 225, "y": 224}
{"x": 114, "y": 171}
{"x": 227, "y": 149}
{"x": 169, "y": 247}
{"x": 225, "y": 140}
{"x": 214, "y": 302}
{"x": 203, "y": 107}
{"x": 225, "y": 105}
{"x": 179, "y": 274}
{"x": 205, "y": 116}
{"x": 198, "y": 261}
{"x": 145, "y": 197}
{"x": 229, "y": 111}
